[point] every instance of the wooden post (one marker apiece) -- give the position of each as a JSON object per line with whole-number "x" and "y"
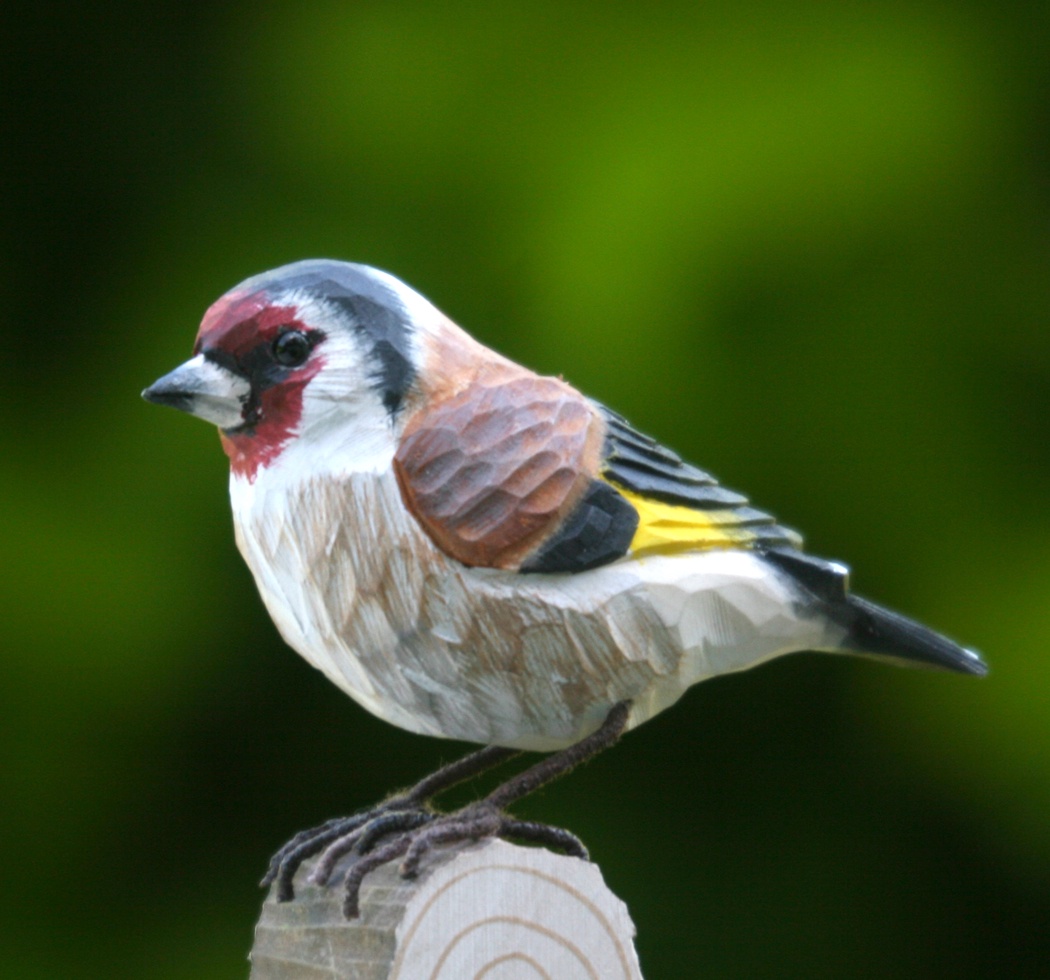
{"x": 485, "y": 911}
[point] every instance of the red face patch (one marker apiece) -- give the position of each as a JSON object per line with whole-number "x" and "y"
{"x": 280, "y": 409}
{"x": 241, "y": 328}
{"x": 238, "y": 323}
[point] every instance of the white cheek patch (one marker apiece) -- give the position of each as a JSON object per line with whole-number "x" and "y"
{"x": 344, "y": 427}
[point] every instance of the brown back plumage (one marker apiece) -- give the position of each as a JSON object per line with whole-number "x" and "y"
{"x": 491, "y": 471}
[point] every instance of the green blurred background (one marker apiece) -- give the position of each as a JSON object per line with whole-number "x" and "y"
{"x": 806, "y": 244}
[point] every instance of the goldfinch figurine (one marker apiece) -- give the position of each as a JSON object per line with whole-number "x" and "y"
{"x": 476, "y": 552}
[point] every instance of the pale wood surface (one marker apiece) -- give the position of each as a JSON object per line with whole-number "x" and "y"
{"x": 488, "y": 911}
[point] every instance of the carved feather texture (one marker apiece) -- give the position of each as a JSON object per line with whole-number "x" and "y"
{"x": 453, "y": 540}
{"x": 491, "y": 471}
{"x": 492, "y": 656}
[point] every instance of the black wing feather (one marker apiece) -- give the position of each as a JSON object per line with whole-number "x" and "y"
{"x": 638, "y": 463}
{"x": 602, "y": 525}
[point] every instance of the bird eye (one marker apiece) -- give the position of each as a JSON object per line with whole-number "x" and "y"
{"x": 291, "y": 348}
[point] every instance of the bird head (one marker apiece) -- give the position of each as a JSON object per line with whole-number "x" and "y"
{"x": 321, "y": 354}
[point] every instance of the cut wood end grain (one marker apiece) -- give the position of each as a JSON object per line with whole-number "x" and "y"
{"x": 489, "y": 910}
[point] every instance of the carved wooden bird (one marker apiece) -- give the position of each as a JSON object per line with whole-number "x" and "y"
{"x": 476, "y": 552}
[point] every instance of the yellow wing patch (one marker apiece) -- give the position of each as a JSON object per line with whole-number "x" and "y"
{"x": 666, "y": 528}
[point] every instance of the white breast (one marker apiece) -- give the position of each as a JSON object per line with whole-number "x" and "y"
{"x": 529, "y": 661}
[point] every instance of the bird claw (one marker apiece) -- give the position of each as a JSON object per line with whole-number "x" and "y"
{"x": 335, "y": 838}
{"x": 413, "y": 828}
{"x": 474, "y": 822}
{"x": 395, "y": 830}
{"x": 364, "y": 838}
{"x": 364, "y": 830}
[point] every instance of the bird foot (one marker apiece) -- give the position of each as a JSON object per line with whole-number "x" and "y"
{"x": 414, "y": 827}
{"x": 338, "y": 836}
{"x": 405, "y": 811}
{"x": 400, "y": 829}
{"x": 412, "y": 842}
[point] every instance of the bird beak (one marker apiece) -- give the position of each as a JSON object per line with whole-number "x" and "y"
{"x": 204, "y": 389}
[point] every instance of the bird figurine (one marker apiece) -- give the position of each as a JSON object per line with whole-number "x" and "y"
{"x": 473, "y": 551}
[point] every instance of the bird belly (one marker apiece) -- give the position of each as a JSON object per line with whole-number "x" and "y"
{"x": 496, "y": 657}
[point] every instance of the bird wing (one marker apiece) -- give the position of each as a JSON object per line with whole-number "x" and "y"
{"x": 679, "y": 506}
{"x": 493, "y": 470}
{"x": 523, "y": 473}
{"x": 518, "y": 471}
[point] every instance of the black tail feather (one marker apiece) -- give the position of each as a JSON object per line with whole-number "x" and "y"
{"x": 875, "y": 630}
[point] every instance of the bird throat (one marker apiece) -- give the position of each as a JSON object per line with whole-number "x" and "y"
{"x": 259, "y": 443}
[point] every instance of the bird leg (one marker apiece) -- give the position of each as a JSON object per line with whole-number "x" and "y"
{"x": 400, "y": 812}
{"x": 485, "y": 818}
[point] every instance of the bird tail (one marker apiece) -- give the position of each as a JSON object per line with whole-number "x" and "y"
{"x": 871, "y": 629}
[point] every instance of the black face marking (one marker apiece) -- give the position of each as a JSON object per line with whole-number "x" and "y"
{"x": 597, "y": 531}
{"x": 265, "y": 365}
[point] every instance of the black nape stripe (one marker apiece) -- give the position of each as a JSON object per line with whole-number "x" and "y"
{"x": 597, "y": 531}
{"x": 386, "y": 332}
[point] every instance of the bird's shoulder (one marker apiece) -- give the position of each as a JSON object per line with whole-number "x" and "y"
{"x": 491, "y": 467}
